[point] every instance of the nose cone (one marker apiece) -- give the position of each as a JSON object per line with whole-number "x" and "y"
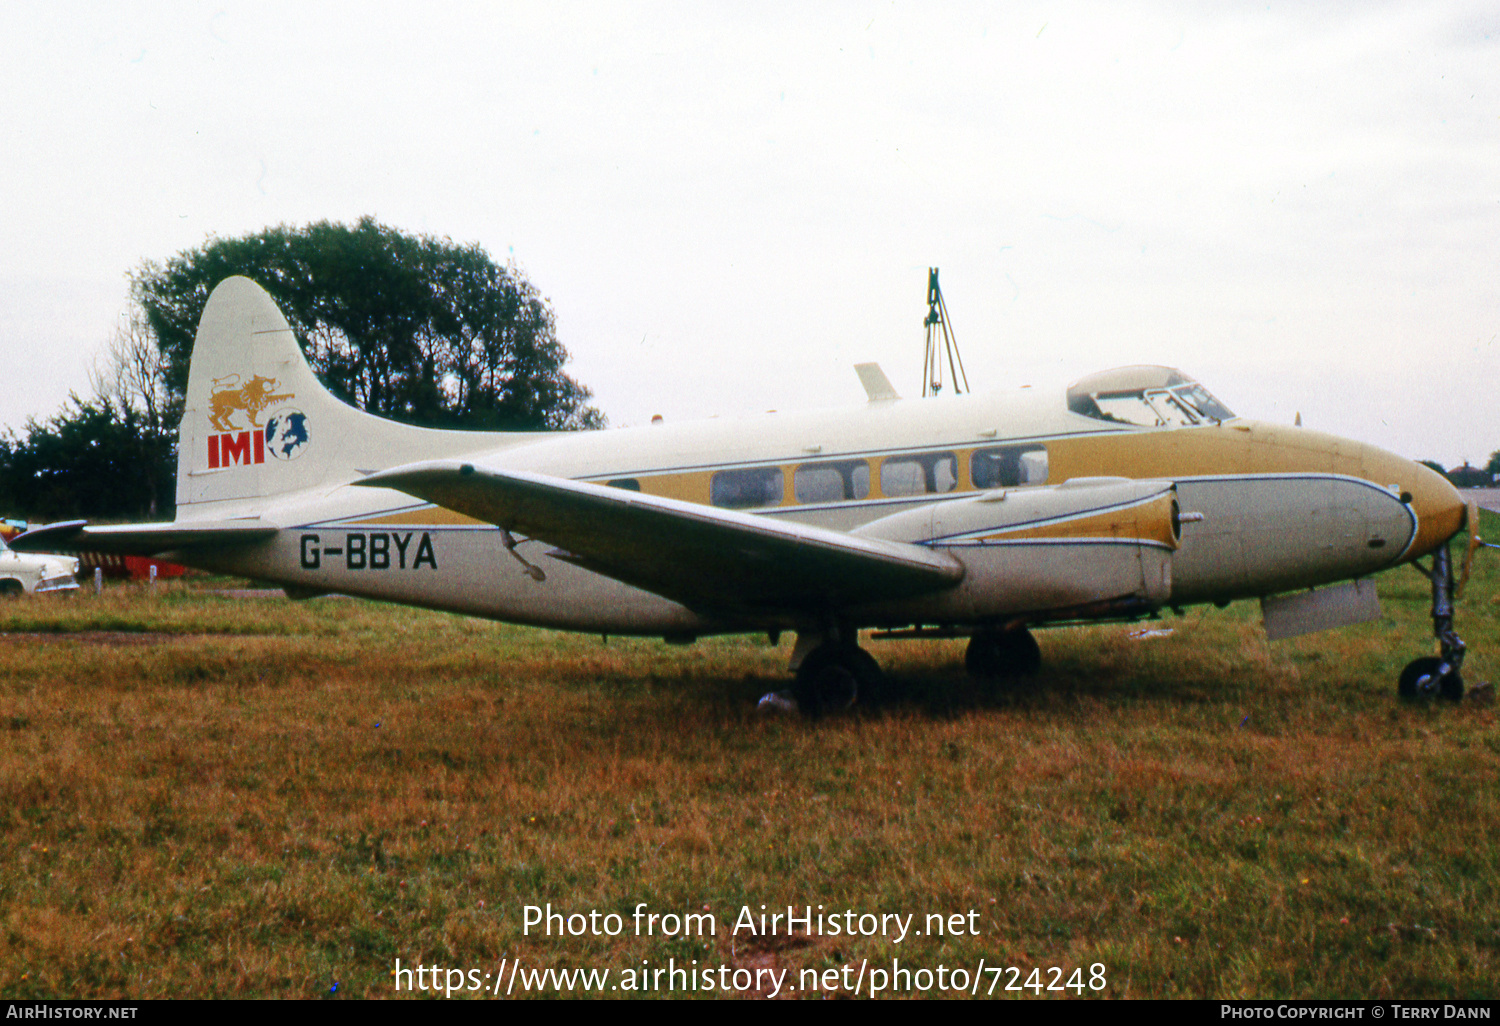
{"x": 1438, "y": 506}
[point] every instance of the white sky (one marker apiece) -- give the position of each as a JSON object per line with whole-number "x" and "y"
{"x": 730, "y": 204}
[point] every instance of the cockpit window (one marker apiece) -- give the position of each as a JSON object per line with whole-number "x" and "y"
{"x": 1203, "y": 402}
{"x": 1170, "y": 408}
{"x": 1146, "y": 396}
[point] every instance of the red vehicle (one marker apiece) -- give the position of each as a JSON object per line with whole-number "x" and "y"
{"x": 127, "y": 568}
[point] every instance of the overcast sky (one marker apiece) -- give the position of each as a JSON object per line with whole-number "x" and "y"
{"x": 730, "y": 204}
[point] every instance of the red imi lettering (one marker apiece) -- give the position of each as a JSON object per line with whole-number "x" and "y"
{"x": 237, "y": 449}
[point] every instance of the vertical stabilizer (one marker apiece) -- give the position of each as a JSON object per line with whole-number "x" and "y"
{"x": 257, "y": 421}
{"x": 877, "y": 386}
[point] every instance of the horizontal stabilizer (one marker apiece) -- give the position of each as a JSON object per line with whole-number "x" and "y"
{"x": 701, "y": 556}
{"x": 139, "y": 539}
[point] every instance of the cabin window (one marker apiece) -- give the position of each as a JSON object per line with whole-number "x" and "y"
{"x": 746, "y": 488}
{"x": 840, "y": 481}
{"x": 918, "y": 474}
{"x": 630, "y": 484}
{"x": 1008, "y": 466}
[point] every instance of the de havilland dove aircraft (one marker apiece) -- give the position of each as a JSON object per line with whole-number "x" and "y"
{"x": 981, "y": 515}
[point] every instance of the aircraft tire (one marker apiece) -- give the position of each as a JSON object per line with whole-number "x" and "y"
{"x": 833, "y": 678}
{"x": 1003, "y": 655}
{"x": 1449, "y": 689}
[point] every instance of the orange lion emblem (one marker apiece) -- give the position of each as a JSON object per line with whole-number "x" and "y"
{"x": 252, "y": 397}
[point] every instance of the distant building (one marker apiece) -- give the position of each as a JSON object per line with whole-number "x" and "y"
{"x": 1470, "y": 477}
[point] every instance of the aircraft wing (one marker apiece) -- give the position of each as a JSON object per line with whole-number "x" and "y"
{"x": 139, "y": 539}
{"x": 701, "y": 556}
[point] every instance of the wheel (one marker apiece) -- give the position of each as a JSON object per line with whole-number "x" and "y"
{"x": 1003, "y": 655}
{"x": 1419, "y": 681}
{"x": 832, "y": 678}
{"x": 873, "y": 685}
{"x": 11, "y": 588}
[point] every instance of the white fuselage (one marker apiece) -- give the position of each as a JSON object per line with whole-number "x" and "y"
{"x": 1277, "y": 509}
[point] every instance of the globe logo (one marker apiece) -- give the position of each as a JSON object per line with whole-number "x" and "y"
{"x": 286, "y": 434}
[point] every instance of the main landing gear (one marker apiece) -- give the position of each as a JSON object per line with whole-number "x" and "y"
{"x": 835, "y": 675}
{"x": 1003, "y": 656}
{"x": 1437, "y": 676}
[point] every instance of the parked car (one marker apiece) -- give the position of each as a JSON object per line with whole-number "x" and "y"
{"x": 35, "y": 573}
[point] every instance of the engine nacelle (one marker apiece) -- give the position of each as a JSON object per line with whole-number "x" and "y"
{"x": 1081, "y": 545}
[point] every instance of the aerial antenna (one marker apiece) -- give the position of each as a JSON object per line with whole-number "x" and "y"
{"x": 937, "y": 317}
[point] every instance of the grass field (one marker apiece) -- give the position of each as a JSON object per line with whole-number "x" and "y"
{"x": 216, "y": 797}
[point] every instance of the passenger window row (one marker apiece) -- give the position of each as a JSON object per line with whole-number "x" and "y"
{"x": 906, "y": 474}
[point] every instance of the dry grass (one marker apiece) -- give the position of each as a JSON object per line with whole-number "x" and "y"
{"x": 216, "y": 797}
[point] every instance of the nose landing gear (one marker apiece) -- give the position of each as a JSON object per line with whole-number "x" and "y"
{"x": 1437, "y": 676}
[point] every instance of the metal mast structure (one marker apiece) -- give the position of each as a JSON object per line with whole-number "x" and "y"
{"x": 937, "y": 317}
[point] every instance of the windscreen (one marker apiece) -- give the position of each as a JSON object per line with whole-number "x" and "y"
{"x": 1160, "y": 397}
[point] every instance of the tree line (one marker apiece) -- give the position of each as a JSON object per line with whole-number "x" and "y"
{"x": 409, "y": 327}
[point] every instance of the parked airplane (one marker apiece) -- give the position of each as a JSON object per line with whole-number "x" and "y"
{"x": 980, "y": 515}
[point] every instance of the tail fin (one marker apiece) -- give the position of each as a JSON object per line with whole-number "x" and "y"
{"x": 258, "y": 423}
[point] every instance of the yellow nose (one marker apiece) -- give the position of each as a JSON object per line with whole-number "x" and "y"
{"x": 1439, "y": 508}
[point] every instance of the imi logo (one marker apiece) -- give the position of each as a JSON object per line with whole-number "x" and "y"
{"x": 284, "y": 437}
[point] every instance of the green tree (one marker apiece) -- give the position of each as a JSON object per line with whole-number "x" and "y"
{"x": 413, "y": 328}
{"x": 94, "y": 459}
{"x": 112, "y": 456}
{"x": 1493, "y": 466}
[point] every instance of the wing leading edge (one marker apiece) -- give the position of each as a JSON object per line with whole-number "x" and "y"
{"x": 704, "y": 557}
